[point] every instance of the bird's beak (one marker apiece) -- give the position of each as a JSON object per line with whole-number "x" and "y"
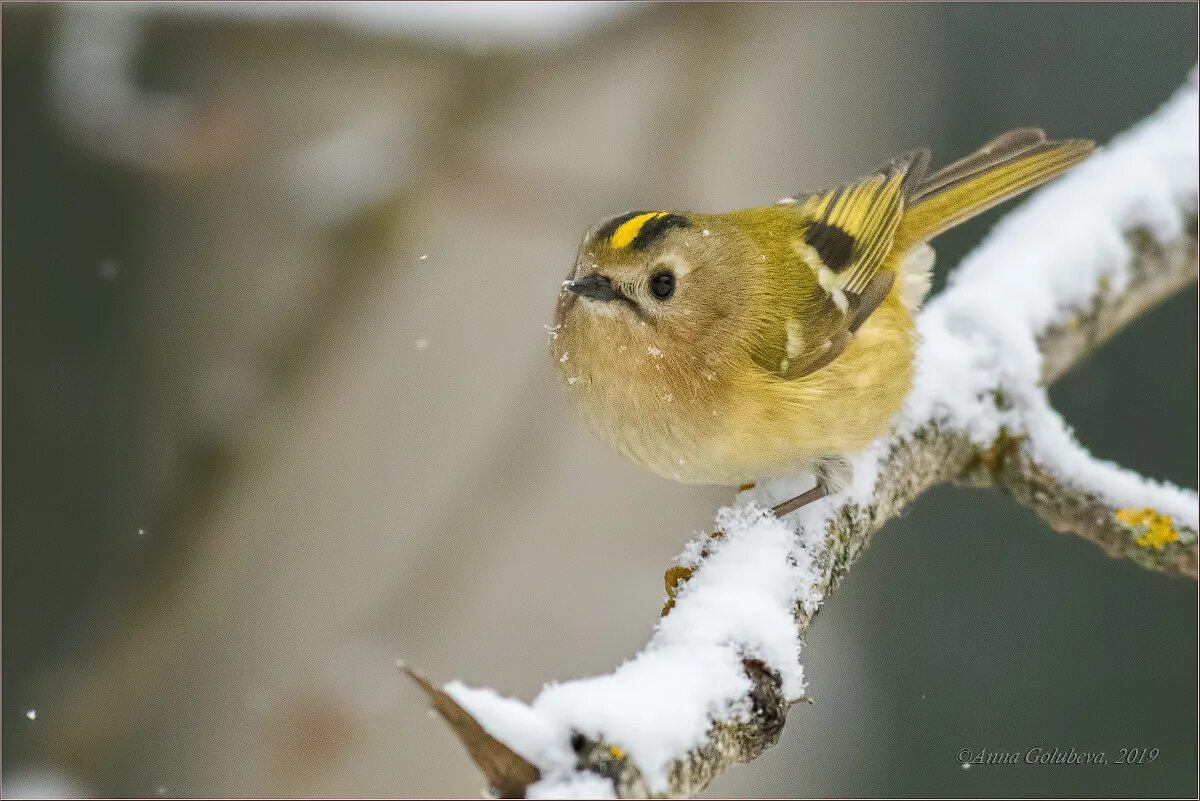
{"x": 594, "y": 287}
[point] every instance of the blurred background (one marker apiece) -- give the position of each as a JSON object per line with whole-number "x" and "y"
{"x": 278, "y": 407}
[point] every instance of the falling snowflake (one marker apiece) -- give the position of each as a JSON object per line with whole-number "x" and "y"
{"x": 108, "y": 269}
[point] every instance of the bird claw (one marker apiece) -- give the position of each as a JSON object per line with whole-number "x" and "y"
{"x": 676, "y": 574}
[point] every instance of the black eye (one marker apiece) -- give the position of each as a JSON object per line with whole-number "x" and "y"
{"x": 663, "y": 284}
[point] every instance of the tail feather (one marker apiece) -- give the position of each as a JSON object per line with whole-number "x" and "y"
{"x": 1010, "y": 164}
{"x": 1003, "y": 148}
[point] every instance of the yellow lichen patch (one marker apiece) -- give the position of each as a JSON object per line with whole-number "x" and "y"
{"x": 1158, "y": 534}
{"x": 995, "y": 457}
{"x": 1159, "y": 529}
{"x": 616, "y": 751}
{"x": 1134, "y": 517}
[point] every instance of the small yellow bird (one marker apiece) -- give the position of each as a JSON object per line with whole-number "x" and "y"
{"x": 726, "y": 348}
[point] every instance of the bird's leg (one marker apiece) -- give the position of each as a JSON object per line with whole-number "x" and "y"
{"x": 833, "y": 474}
{"x": 678, "y": 573}
{"x": 803, "y": 499}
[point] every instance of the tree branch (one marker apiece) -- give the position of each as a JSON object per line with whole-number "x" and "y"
{"x": 1157, "y": 271}
{"x": 1080, "y": 260}
{"x": 1150, "y": 538}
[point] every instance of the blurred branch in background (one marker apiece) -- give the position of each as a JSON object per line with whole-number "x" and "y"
{"x": 94, "y": 91}
{"x": 1075, "y": 264}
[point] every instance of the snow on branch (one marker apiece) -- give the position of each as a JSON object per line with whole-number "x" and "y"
{"x": 1052, "y": 281}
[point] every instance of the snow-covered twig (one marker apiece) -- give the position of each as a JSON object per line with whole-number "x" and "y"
{"x": 1081, "y": 259}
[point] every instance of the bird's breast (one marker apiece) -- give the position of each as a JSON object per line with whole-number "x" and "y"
{"x": 697, "y": 418}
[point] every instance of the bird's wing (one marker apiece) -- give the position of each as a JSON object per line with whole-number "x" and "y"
{"x": 851, "y": 228}
{"x": 848, "y": 234}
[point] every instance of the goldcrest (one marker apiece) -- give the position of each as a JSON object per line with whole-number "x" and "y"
{"x": 727, "y": 348}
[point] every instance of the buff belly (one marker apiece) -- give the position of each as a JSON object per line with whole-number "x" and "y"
{"x": 718, "y": 432}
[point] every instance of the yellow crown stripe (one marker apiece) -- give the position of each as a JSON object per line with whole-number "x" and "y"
{"x": 629, "y": 229}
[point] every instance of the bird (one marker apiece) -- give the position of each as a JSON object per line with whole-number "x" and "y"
{"x": 727, "y": 348}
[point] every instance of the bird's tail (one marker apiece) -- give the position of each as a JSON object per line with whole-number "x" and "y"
{"x": 1006, "y": 166}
